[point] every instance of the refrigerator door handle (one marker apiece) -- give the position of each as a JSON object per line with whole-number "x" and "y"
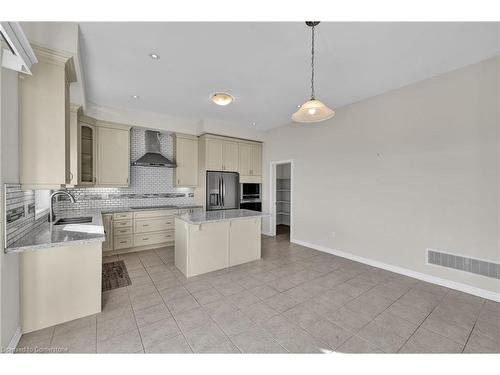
{"x": 223, "y": 192}
{"x": 220, "y": 192}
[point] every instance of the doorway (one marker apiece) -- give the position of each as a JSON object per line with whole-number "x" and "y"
{"x": 282, "y": 199}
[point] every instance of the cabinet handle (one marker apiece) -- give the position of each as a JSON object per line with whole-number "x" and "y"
{"x": 145, "y": 225}
{"x": 145, "y": 238}
{"x": 123, "y": 241}
{"x": 178, "y": 181}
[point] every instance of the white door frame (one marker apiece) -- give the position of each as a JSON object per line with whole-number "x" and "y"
{"x": 272, "y": 195}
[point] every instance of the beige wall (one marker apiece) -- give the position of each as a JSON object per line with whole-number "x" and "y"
{"x": 411, "y": 169}
{"x": 9, "y": 172}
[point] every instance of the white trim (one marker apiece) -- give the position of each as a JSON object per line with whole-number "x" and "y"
{"x": 14, "y": 341}
{"x": 272, "y": 195}
{"x": 404, "y": 271}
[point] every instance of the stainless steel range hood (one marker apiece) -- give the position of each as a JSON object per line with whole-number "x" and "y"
{"x": 153, "y": 157}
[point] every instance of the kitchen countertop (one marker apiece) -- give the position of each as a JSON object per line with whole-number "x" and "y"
{"x": 48, "y": 235}
{"x": 216, "y": 216}
{"x": 147, "y": 208}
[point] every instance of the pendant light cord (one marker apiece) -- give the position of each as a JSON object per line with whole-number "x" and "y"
{"x": 312, "y": 65}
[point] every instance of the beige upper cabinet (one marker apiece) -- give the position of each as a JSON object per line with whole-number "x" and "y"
{"x": 44, "y": 121}
{"x": 250, "y": 162}
{"x": 221, "y": 155}
{"x": 230, "y": 156}
{"x": 214, "y": 156}
{"x": 113, "y": 156}
{"x": 186, "y": 158}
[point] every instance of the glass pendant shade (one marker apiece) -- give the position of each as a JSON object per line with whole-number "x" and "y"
{"x": 313, "y": 111}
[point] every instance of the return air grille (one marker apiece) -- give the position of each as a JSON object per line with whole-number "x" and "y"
{"x": 457, "y": 262}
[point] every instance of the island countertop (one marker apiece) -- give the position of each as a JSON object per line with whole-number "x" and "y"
{"x": 215, "y": 216}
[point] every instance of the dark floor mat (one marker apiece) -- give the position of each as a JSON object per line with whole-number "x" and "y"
{"x": 114, "y": 275}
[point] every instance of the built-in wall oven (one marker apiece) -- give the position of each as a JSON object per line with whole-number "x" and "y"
{"x": 250, "y": 197}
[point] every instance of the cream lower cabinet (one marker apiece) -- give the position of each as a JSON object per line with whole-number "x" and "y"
{"x": 107, "y": 221}
{"x": 138, "y": 230}
{"x": 206, "y": 247}
{"x": 244, "y": 240}
{"x": 59, "y": 284}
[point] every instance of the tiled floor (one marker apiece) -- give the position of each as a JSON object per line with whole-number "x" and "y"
{"x": 294, "y": 299}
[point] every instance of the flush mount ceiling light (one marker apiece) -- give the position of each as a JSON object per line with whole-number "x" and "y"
{"x": 154, "y": 56}
{"x": 312, "y": 110}
{"x": 221, "y": 98}
{"x": 135, "y": 96}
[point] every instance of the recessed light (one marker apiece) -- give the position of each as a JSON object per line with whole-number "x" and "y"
{"x": 154, "y": 56}
{"x": 299, "y": 105}
{"x": 253, "y": 124}
{"x": 221, "y": 98}
{"x": 135, "y": 96}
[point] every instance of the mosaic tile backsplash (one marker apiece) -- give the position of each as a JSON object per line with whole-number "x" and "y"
{"x": 19, "y": 212}
{"x": 149, "y": 186}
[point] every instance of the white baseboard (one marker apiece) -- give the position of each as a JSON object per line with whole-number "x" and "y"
{"x": 404, "y": 271}
{"x": 267, "y": 233}
{"x": 14, "y": 341}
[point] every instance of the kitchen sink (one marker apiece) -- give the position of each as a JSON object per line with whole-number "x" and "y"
{"x": 74, "y": 220}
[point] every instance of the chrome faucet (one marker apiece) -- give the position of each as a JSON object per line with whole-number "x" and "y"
{"x": 52, "y": 217}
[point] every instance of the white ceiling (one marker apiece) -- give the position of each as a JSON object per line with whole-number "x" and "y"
{"x": 266, "y": 66}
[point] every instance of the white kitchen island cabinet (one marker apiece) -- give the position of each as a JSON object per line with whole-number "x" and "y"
{"x": 213, "y": 240}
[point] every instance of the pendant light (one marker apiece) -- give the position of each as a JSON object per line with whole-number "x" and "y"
{"x": 312, "y": 110}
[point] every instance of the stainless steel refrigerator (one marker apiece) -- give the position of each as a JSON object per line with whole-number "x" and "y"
{"x": 223, "y": 190}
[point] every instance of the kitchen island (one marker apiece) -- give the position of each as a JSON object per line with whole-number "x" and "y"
{"x": 212, "y": 240}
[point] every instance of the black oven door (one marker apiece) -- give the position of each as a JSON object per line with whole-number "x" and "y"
{"x": 254, "y": 206}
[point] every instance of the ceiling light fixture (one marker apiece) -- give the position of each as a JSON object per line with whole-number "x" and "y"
{"x": 154, "y": 56}
{"x": 222, "y": 98}
{"x": 135, "y": 96}
{"x": 313, "y": 110}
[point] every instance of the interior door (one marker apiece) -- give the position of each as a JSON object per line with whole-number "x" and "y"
{"x": 230, "y": 190}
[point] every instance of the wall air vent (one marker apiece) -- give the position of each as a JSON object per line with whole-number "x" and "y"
{"x": 461, "y": 263}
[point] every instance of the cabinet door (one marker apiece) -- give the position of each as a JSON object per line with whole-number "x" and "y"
{"x": 208, "y": 247}
{"x": 187, "y": 162}
{"x": 113, "y": 157}
{"x": 256, "y": 169}
{"x": 245, "y": 158}
{"x": 87, "y": 154}
{"x": 230, "y": 156}
{"x": 244, "y": 241}
{"x": 214, "y": 154}
{"x": 107, "y": 221}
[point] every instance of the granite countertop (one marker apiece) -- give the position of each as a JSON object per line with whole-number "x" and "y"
{"x": 49, "y": 235}
{"x": 215, "y": 216}
{"x": 149, "y": 208}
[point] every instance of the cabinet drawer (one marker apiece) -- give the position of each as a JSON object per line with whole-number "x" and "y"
{"x": 152, "y": 214}
{"x": 153, "y": 238}
{"x": 122, "y": 224}
{"x": 154, "y": 225}
{"x": 123, "y": 242}
{"x": 122, "y": 231}
{"x": 123, "y": 215}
